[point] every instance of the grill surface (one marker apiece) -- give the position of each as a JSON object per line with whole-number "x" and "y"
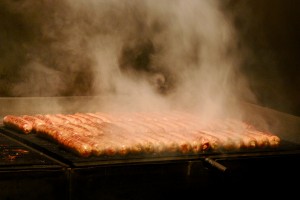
{"x": 54, "y": 150}
{"x": 153, "y": 176}
{"x": 26, "y": 173}
{"x": 14, "y": 154}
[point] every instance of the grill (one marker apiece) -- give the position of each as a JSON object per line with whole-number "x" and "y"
{"x": 148, "y": 177}
{"x": 200, "y": 52}
{"x": 22, "y": 169}
{"x": 57, "y": 152}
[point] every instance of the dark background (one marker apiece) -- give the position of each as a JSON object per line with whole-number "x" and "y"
{"x": 268, "y": 32}
{"x": 271, "y": 30}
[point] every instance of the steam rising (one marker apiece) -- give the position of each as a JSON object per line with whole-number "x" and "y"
{"x": 144, "y": 55}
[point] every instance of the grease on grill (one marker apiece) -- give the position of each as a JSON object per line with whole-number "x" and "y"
{"x": 8, "y": 153}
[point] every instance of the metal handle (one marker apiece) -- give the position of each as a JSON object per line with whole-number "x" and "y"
{"x": 215, "y": 164}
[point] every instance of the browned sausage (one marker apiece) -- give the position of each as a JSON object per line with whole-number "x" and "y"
{"x": 18, "y": 123}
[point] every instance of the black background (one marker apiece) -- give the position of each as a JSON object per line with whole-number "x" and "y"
{"x": 270, "y": 29}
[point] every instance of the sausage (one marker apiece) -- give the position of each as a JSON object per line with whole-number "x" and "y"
{"x": 109, "y": 134}
{"x": 18, "y": 123}
{"x": 67, "y": 138}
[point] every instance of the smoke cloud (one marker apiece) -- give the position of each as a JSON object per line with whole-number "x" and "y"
{"x": 143, "y": 55}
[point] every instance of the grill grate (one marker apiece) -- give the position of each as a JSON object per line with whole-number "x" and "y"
{"x": 13, "y": 154}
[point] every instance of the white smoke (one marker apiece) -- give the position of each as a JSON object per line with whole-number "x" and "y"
{"x": 168, "y": 54}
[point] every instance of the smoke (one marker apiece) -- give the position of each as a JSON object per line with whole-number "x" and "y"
{"x": 170, "y": 54}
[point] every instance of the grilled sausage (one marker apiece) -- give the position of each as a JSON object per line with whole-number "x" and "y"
{"x": 18, "y": 123}
{"x": 141, "y": 132}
